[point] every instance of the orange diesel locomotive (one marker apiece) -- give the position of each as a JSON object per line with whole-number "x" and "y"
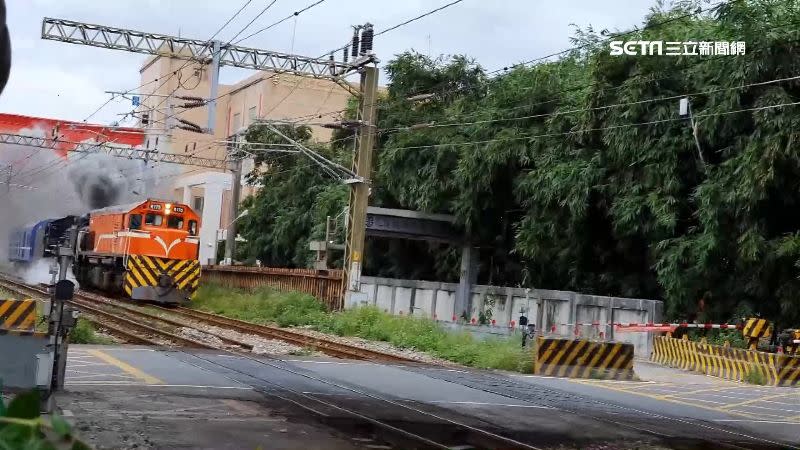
{"x": 147, "y": 251}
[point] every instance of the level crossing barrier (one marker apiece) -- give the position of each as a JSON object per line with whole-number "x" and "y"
{"x": 583, "y": 358}
{"x": 726, "y": 362}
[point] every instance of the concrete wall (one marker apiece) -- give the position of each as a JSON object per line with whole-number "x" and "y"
{"x": 554, "y": 312}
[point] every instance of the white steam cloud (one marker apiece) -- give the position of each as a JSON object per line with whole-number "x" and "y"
{"x": 43, "y": 184}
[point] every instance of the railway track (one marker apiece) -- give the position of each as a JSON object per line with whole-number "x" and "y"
{"x": 135, "y": 325}
{"x": 328, "y": 347}
{"x": 129, "y": 323}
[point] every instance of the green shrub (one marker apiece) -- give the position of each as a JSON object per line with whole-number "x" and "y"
{"x": 755, "y": 376}
{"x": 422, "y": 334}
{"x": 84, "y": 333}
{"x": 21, "y": 426}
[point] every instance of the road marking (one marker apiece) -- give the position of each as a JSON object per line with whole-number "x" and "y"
{"x": 95, "y": 375}
{"x": 670, "y": 400}
{"x": 762, "y": 415}
{"x": 766, "y": 407}
{"x": 755, "y": 400}
{"x": 87, "y": 364}
{"x": 702, "y": 391}
{"x": 127, "y": 383}
{"x": 485, "y": 404}
{"x": 149, "y": 379}
{"x": 754, "y": 421}
{"x": 762, "y": 400}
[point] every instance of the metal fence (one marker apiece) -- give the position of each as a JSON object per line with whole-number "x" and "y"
{"x": 322, "y": 284}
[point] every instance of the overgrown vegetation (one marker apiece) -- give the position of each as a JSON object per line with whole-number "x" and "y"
{"x": 85, "y": 333}
{"x": 755, "y": 376}
{"x": 22, "y": 428}
{"x": 579, "y": 174}
{"x": 297, "y": 309}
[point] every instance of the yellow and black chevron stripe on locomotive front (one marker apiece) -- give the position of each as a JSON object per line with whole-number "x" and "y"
{"x": 19, "y": 315}
{"x": 581, "y": 358}
{"x": 146, "y": 270}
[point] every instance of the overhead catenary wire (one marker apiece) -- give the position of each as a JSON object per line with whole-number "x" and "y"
{"x": 188, "y": 62}
{"x": 391, "y": 28}
{"x": 294, "y": 14}
{"x": 626, "y": 85}
{"x": 423, "y": 126}
{"x": 566, "y": 51}
{"x": 261, "y": 13}
{"x": 588, "y": 130}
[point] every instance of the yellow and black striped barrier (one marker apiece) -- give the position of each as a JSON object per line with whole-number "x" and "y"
{"x": 582, "y": 358}
{"x": 17, "y": 315}
{"x": 725, "y": 362}
{"x": 755, "y": 329}
{"x": 146, "y": 270}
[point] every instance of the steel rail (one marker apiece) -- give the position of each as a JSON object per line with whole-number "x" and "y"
{"x": 139, "y": 312}
{"x": 102, "y": 318}
{"x": 328, "y": 347}
{"x": 84, "y": 306}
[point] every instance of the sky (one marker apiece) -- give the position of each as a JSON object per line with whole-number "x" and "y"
{"x": 67, "y": 81}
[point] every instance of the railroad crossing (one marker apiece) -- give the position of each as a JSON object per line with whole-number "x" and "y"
{"x": 217, "y": 370}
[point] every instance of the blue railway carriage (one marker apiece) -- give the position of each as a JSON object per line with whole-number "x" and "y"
{"x": 38, "y": 240}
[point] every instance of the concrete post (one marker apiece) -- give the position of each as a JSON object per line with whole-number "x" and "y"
{"x": 467, "y": 278}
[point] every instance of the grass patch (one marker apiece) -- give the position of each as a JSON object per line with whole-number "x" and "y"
{"x": 298, "y": 309}
{"x": 755, "y": 376}
{"x": 85, "y": 333}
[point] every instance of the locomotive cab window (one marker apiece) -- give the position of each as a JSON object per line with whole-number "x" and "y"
{"x": 192, "y": 228}
{"x": 135, "y": 222}
{"x": 153, "y": 219}
{"x": 175, "y": 222}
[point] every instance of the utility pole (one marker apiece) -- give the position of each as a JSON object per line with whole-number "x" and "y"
{"x": 214, "y": 91}
{"x": 236, "y": 189}
{"x": 359, "y": 192}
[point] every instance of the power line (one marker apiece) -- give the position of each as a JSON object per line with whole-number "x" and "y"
{"x": 266, "y": 8}
{"x": 413, "y": 19}
{"x": 596, "y": 108}
{"x": 188, "y": 62}
{"x": 633, "y": 81}
{"x": 294, "y": 14}
{"x": 587, "y": 130}
{"x": 613, "y": 36}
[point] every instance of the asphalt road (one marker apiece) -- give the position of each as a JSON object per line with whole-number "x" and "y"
{"x": 669, "y": 409}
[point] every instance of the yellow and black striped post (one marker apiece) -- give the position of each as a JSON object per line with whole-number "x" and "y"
{"x": 18, "y": 315}
{"x": 581, "y": 358}
{"x": 146, "y": 270}
{"x": 754, "y": 329}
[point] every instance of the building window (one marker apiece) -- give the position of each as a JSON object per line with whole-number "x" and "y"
{"x": 237, "y": 122}
{"x": 197, "y": 204}
{"x": 251, "y": 114}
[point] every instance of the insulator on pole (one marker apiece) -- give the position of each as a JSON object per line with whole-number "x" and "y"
{"x": 354, "y": 46}
{"x": 345, "y": 53}
{"x": 366, "y": 39}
